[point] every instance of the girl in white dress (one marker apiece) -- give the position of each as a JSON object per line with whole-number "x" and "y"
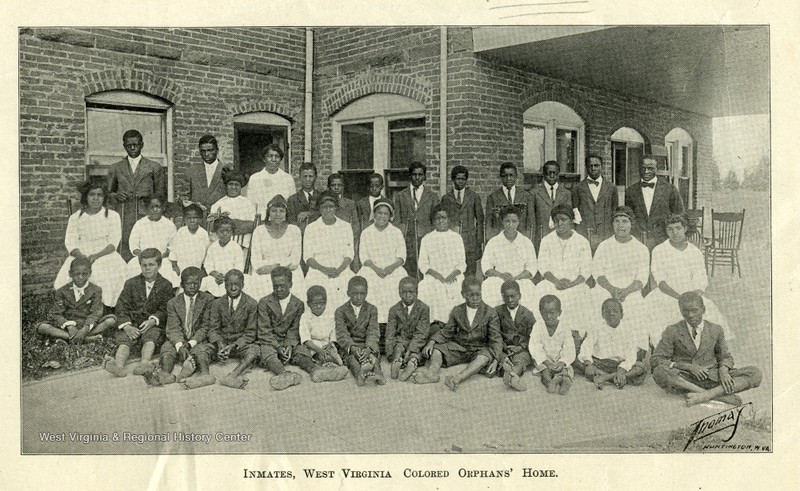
{"x": 222, "y": 256}
{"x": 276, "y": 243}
{"x": 153, "y": 231}
{"x": 621, "y": 268}
{"x": 383, "y": 252}
{"x": 238, "y": 208}
{"x": 565, "y": 261}
{"x": 94, "y": 232}
{"x": 509, "y": 256}
{"x": 442, "y": 261}
{"x": 678, "y": 267}
{"x": 328, "y": 251}
{"x": 189, "y": 245}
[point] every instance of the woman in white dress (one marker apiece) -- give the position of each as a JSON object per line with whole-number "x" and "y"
{"x": 621, "y": 268}
{"x": 383, "y": 252}
{"x": 328, "y": 251}
{"x": 276, "y": 243}
{"x": 94, "y": 231}
{"x": 238, "y": 208}
{"x": 442, "y": 261}
{"x": 565, "y": 261}
{"x": 509, "y": 256}
{"x": 678, "y": 267}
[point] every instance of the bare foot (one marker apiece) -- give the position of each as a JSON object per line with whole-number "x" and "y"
{"x": 198, "y": 381}
{"x": 408, "y": 371}
{"x": 166, "y": 378}
{"x": 450, "y": 382}
{"x": 552, "y": 387}
{"x": 143, "y": 367}
{"x": 93, "y": 338}
{"x": 376, "y": 376}
{"x": 189, "y": 366}
{"x": 110, "y": 365}
{"x": 598, "y": 383}
{"x": 395, "y": 369}
{"x": 731, "y": 399}
{"x": 507, "y": 378}
{"x": 517, "y": 383}
{"x": 285, "y": 380}
{"x": 234, "y": 382}
{"x": 152, "y": 379}
{"x": 329, "y": 373}
{"x": 566, "y": 383}
{"x": 423, "y": 376}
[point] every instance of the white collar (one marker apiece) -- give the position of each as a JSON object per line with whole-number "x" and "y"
{"x": 653, "y": 180}
{"x": 188, "y": 298}
{"x": 420, "y": 188}
{"x": 135, "y": 161}
{"x": 554, "y": 186}
{"x": 599, "y": 179}
{"x": 212, "y": 164}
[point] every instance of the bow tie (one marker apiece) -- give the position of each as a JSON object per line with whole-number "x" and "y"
{"x": 592, "y": 181}
{"x": 648, "y": 184}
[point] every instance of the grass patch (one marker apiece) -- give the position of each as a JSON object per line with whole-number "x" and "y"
{"x": 38, "y": 350}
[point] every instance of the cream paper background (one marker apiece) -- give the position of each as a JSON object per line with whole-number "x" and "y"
{"x": 718, "y": 471}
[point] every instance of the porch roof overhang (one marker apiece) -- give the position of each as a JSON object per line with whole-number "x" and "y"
{"x": 712, "y": 70}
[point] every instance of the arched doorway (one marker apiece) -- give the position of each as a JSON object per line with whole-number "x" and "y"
{"x": 680, "y": 162}
{"x": 627, "y": 149}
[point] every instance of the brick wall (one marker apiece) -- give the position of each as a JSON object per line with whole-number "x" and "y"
{"x": 209, "y": 75}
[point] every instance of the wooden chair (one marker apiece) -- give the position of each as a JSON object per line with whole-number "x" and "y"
{"x": 726, "y": 238}
{"x": 246, "y": 241}
{"x": 696, "y": 230}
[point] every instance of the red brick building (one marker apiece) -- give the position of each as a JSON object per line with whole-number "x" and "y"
{"x": 524, "y": 95}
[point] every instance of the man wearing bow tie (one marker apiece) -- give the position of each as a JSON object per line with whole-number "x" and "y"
{"x": 652, "y": 201}
{"x": 595, "y": 199}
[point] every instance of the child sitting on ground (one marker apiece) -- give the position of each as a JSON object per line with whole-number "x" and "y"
{"x": 317, "y": 354}
{"x": 407, "y": 329}
{"x": 156, "y": 231}
{"x": 552, "y": 347}
{"x": 471, "y": 335}
{"x": 187, "y": 326}
{"x": 358, "y": 335}
{"x": 222, "y": 256}
{"x": 77, "y": 312}
{"x": 612, "y": 350}
{"x": 141, "y": 313}
{"x": 279, "y": 329}
{"x": 188, "y": 246}
{"x": 232, "y": 329}
{"x": 516, "y": 324}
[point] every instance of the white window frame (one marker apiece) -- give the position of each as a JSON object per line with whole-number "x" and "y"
{"x": 128, "y": 100}
{"x": 550, "y": 127}
{"x": 674, "y": 141}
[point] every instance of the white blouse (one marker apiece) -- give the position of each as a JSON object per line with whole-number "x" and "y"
{"x": 189, "y": 249}
{"x": 328, "y": 244}
{"x": 319, "y": 329}
{"x": 619, "y": 343}
{"x": 622, "y": 263}
{"x": 565, "y": 258}
{"x": 223, "y": 259}
{"x": 682, "y": 270}
{"x": 92, "y": 233}
{"x": 284, "y": 251}
{"x": 264, "y": 186}
{"x": 443, "y": 252}
{"x": 512, "y": 257}
{"x": 238, "y": 208}
{"x": 147, "y": 233}
{"x": 383, "y": 247}
{"x": 558, "y": 347}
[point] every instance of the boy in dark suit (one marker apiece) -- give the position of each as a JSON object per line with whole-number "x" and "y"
{"x": 407, "y": 330}
{"x": 198, "y": 186}
{"x": 467, "y": 216}
{"x": 279, "y": 329}
{"x": 692, "y": 357}
{"x": 547, "y": 194}
{"x": 595, "y": 198}
{"x": 358, "y": 335}
{"x": 346, "y": 210}
{"x": 77, "y": 312}
{"x": 471, "y": 335}
{"x": 232, "y": 329}
{"x": 516, "y": 323}
{"x": 301, "y": 207}
{"x": 141, "y": 313}
{"x": 652, "y": 200}
{"x": 412, "y": 213}
{"x": 507, "y": 195}
{"x": 130, "y": 180}
{"x": 187, "y": 326}
{"x": 365, "y": 204}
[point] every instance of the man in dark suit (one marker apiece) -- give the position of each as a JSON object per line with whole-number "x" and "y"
{"x": 142, "y": 314}
{"x": 595, "y": 199}
{"x": 412, "y": 213}
{"x": 692, "y": 357}
{"x": 203, "y": 182}
{"x": 509, "y": 193}
{"x": 365, "y": 204}
{"x": 652, "y": 201}
{"x": 466, "y": 216}
{"x": 301, "y": 207}
{"x": 187, "y": 326}
{"x": 546, "y": 195}
{"x": 130, "y": 182}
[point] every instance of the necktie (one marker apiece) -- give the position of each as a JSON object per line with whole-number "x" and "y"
{"x": 592, "y": 181}
{"x": 648, "y": 185}
{"x": 232, "y": 309}
{"x": 416, "y": 201}
{"x": 148, "y": 289}
{"x": 508, "y": 195}
{"x": 694, "y": 333}
{"x": 458, "y": 196}
{"x": 552, "y": 193}
{"x": 189, "y": 316}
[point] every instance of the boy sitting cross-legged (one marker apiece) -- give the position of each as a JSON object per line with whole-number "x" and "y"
{"x": 358, "y": 335}
{"x": 407, "y": 330}
{"x": 232, "y": 328}
{"x": 552, "y": 347}
{"x": 471, "y": 335}
{"x": 318, "y": 354}
{"x": 516, "y": 324}
{"x": 187, "y": 326}
{"x": 279, "y": 329}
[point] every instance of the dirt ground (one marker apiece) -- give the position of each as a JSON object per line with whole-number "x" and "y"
{"x": 482, "y": 417}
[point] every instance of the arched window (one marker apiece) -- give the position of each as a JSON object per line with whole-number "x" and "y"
{"x": 111, "y": 113}
{"x": 377, "y": 133}
{"x": 252, "y": 132}
{"x": 627, "y": 148}
{"x": 680, "y": 162}
{"x": 552, "y": 131}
